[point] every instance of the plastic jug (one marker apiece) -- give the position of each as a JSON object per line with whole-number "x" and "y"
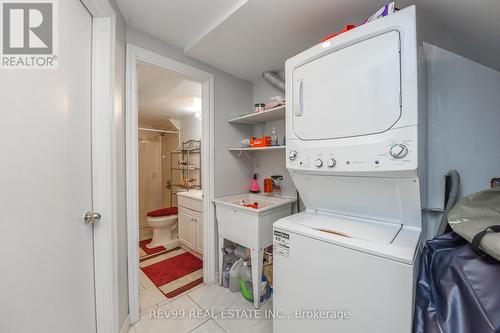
{"x": 246, "y": 272}
{"x": 225, "y": 275}
{"x": 246, "y": 281}
{"x": 234, "y": 276}
{"x": 247, "y": 290}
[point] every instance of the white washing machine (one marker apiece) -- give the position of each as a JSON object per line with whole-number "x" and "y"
{"x": 355, "y": 140}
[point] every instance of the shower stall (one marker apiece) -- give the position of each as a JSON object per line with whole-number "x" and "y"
{"x": 155, "y": 174}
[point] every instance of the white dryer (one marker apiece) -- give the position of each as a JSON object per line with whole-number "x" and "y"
{"x": 355, "y": 142}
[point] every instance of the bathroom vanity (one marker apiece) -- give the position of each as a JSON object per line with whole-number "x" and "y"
{"x": 190, "y": 219}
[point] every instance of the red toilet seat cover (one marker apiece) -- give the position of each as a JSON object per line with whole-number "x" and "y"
{"x": 163, "y": 212}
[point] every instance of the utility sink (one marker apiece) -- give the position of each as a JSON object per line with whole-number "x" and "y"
{"x": 250, "y": 227}
{"x": 265, "y": 202}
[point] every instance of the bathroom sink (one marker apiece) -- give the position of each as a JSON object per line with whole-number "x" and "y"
{"x": 196, "y": 194}
{"x": 191, "y": 200}
{"x": 265, "y": 202}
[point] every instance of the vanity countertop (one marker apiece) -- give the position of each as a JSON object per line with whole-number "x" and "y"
{"x": 192, "y": 194}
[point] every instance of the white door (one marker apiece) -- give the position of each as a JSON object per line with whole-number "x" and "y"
{"x": 47, "y": 278}
{"x": 349, "y": 92}
{"x": 186, "y": 227}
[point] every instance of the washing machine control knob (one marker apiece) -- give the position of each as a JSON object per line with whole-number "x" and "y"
{"x": 399, "y": 151}
{"x": 331, "y": 163}
{"x": 292, "y": 156}
{"x": 319, "y": 163}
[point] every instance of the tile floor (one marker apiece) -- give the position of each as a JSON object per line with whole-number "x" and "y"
{"x": 201, "y": 308}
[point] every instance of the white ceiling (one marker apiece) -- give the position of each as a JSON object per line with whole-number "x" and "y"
{"x": 245, "y": 38}
{"x": 164, "y": 95}
{"x": 179, "y": 22}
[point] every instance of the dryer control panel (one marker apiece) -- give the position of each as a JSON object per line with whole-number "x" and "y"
{"x": 395, "y": 152}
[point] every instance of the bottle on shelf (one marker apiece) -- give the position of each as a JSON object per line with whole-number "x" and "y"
{"x": 274, "y": 137}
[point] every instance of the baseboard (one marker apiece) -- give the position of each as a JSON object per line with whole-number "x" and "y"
{"x": 125, "y": 326}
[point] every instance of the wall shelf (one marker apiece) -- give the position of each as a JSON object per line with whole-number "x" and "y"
{"x": 258, "y": 148}
{"x": 277, "y": 113}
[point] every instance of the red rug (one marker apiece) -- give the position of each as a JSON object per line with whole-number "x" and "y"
{"x": 149, "y": 251}
{"x": 184, "y": 288}
{"x": 173, "y": 268}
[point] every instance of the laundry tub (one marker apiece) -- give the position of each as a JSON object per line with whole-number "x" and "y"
{"x": 250, "y": 227}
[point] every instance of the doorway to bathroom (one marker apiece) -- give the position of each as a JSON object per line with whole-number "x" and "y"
{"x": 169, "y": 179}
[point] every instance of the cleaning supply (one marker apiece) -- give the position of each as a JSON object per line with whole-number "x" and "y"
{"x": 268, "y": 185}
{"x": 268, "y": 254}
{"x": 242, "y": 252}
{"x": 229, "y": 257}
{"x": 255, "y": 205}
{"x": 274, "y": 137}
{"x": 246, "y": 281}
{"x": 234, "y": 276}
{"x": 267, "y": 271}
{"x": 247, "y": 290}
{"x": 263, "y": 141}
{"x": 254, "y": 188}
{"x": 264, "y": 290}
{"x": 246, "y": 271}
{"x": 225, "y": 275}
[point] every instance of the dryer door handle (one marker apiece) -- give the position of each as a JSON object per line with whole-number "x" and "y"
{"x": 297, "y": 97}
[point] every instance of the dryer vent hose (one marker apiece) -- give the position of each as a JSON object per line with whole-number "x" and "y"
{"x": 452, "y": 199}
{"x": 275, "y": 80}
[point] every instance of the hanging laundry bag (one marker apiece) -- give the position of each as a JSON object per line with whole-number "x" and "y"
{"x": 458, "y": 290}
{"x": 477, "y": 219}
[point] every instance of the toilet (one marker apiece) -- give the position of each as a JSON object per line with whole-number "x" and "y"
{"x": 164, "y": 224}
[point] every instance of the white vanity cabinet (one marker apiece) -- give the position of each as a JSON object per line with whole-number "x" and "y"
{"x": 190, "y": 219}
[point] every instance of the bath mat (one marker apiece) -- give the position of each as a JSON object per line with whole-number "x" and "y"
{"x": 174, "y": 272}
{"x": 147, "y": 251}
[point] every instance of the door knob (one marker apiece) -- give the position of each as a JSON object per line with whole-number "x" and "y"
{"x": 91, "y": 217}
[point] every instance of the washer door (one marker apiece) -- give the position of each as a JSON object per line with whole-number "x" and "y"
{"x": 350, "y": 92}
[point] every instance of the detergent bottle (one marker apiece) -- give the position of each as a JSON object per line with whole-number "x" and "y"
{"x": 246, "y": 284}
{"x": 246, "y": 281}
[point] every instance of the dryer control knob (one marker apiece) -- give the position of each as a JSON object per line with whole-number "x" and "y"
{"x": 399, "y": 151}
{"x": 331, "y": 163}
{"x": 292, "y": 155}
{"x": 319, "y": 163}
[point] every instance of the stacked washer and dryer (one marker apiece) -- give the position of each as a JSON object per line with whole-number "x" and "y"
{"x": 355, "y": 122}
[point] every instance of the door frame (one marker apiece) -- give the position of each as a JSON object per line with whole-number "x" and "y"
{"x": 135, "y": 54}
{"x": 104, "y": 164}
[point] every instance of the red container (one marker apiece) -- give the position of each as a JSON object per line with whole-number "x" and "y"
{"x": 345, "y": 29}
{"x": 260, "y": 142}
